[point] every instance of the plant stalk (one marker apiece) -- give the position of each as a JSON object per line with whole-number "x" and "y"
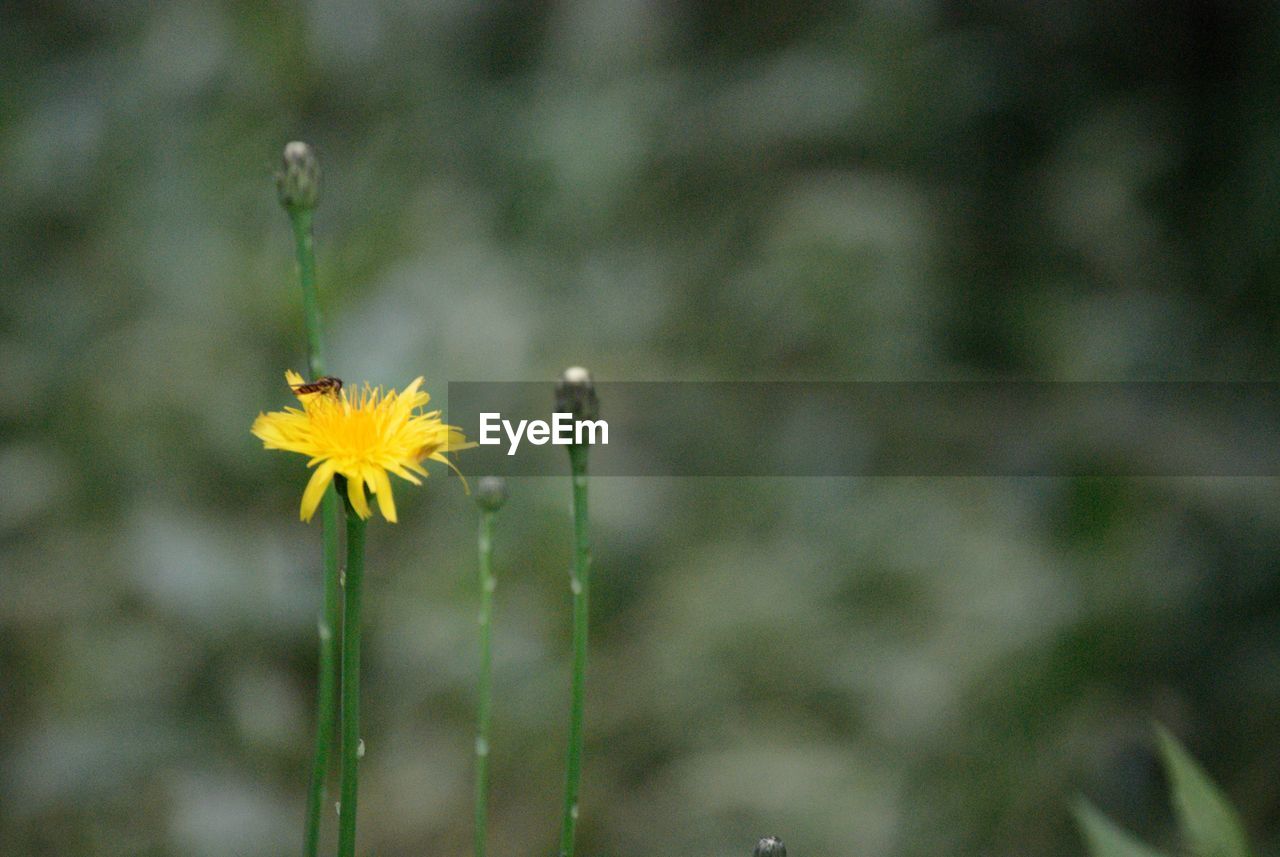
{"x": 484, "y": 692}
{"x": 352, "y": 595}
{"x": 326, "y": 682}
{"x": 579, "y": 583}
{"x": 304, "y": 243}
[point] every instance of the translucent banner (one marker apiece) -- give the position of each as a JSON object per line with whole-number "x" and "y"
{"x": 967, "y": 428}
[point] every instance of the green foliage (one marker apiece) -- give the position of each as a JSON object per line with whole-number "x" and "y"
{"x": 1105, "y": 838}
{"x": 1208, "y": 824}
{"x": 1206, "y": 818}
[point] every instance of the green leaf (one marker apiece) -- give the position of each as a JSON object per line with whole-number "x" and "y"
{"x": 1209, "y": 823}
{"x": 1107, "y": 839}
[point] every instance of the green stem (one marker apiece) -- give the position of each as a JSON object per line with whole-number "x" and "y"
{"x": 351, "y": 683}
{"x": 485, "y": 689}
{"x": 326, "y": 690}
{"x": 305, "y": 244}
{"x": 579, "y": 584}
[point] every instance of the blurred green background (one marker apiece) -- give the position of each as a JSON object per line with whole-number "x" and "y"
{"x": 684, "y": 190}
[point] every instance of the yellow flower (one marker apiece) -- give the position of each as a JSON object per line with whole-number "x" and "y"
{"x": 360, "y": 435}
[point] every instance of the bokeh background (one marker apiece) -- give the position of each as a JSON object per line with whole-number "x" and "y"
{"x": 900, "y": 189}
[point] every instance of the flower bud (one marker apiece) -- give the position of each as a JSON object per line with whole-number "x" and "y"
{"x": 576, "y": 394}
{"x": 298, "y": 180}
{"x": 770, "y": 846}
{"x": 491, "y": 493}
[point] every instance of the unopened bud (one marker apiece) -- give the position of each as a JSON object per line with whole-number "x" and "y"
{"x": 298, "y": 180}
{"x": 491, "y": 493}
{"x": 770, "y": 846}
{"x": 576, "y": 394}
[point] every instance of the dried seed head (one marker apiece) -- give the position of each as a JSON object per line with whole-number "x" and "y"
{"x": 576, "y": 394}
{"x": 491, "y": 493}
{"x": 298, "y": 180}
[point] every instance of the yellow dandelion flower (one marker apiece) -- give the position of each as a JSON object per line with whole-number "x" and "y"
{"x": 361, "y": 435}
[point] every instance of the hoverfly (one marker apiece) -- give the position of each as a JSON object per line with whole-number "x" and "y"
{"x": 326, "y": 384}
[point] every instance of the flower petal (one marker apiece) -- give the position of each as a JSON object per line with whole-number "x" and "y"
{"x": 399, "y": 470}
{"x": 315, "y": 489}
{"x": 382, "y": 489}
{"x": 355, "y": 493}
{"x": 439, "y": 456}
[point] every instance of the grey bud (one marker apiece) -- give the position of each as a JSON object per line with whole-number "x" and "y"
{"x": 770, "y": 846}
{"x": 298, "y": 180}
{"x": 576, "y": 394}
{"x": 491, "y": 493}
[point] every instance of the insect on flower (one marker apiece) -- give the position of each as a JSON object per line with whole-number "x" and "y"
{"x": 325, "y": 384}
{"x": 362, "y": 435}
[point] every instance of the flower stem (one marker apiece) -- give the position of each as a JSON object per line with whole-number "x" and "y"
{"x": 485, "y": 685}
{"x": 326, "y": 684}
{"x": 579, "y": 583}
{"x": 305, "y": 245}
{"x": 352, "y": 588}
{"x": 326, "y": 689}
